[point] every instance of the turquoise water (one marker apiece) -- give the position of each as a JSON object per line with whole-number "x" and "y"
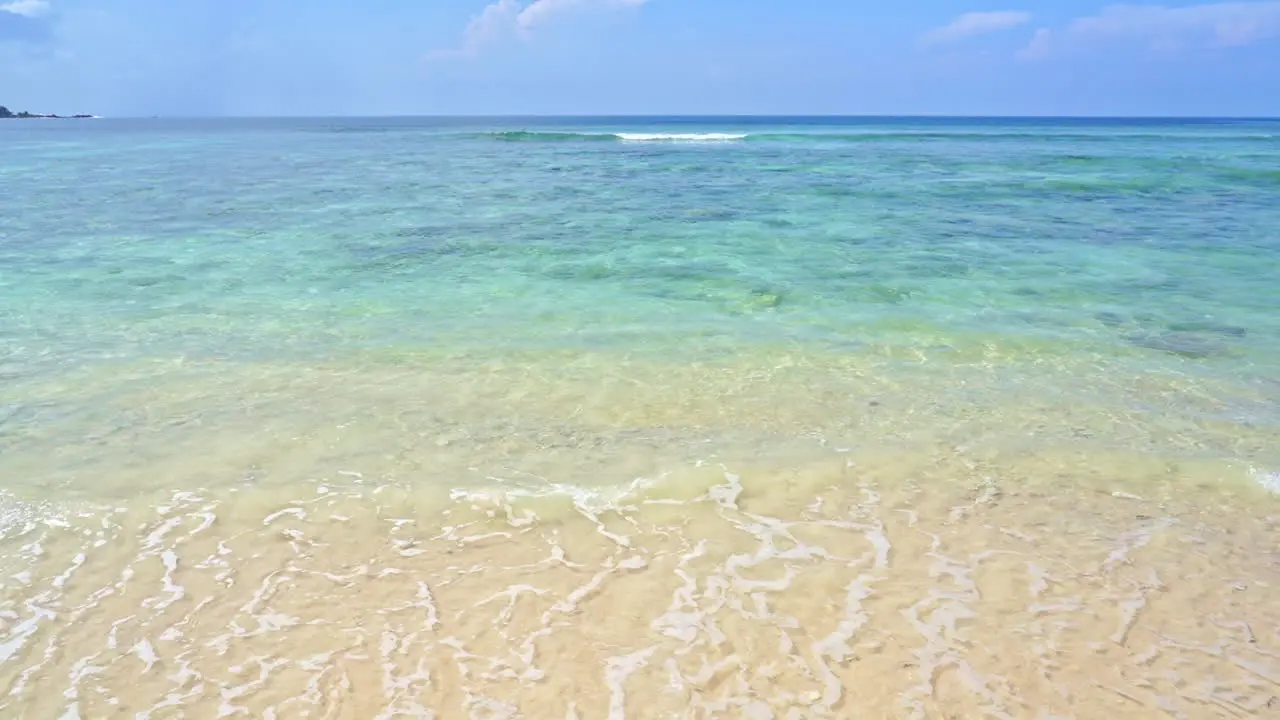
{"x": 302, "y": 238}
{"x": 356, "y": 417}
{"x": 1143, "y": 245}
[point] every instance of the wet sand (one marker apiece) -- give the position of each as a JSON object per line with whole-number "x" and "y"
{"x": 787, "y": 537}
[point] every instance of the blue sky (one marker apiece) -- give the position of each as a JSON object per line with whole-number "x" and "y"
{"x": 325, "y": 57}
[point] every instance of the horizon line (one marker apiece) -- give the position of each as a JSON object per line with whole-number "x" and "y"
{"x": 680, "y": 116}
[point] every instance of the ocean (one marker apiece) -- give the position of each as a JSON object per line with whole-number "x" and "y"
{"x": 639, "y": 418}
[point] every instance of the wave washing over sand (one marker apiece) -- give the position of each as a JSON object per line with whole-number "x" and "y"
{"x": 847, "y": 592}
{"x": 568, "y": 540}
{"x": 695, "y": 418}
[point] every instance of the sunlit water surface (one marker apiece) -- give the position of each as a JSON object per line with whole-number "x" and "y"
{"x": 647, "y": 418}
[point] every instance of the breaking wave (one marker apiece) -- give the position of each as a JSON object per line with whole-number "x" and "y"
{"x": 681, "y": 137}
{"x": 546, "y": 136}
{"x": 869, "y": 136}
{"x": 1269, "y": 481}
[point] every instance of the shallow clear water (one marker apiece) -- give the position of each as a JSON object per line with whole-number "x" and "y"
{"x": 212, "y": 319}
{"x": 136, "y": 238}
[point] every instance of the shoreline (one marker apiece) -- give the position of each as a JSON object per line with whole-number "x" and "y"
{"x": 845, "y": 585}
{"x": 565, "y": 414}
{"x": 377, "y": 423}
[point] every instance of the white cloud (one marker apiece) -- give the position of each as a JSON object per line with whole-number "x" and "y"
{"x": 1039, "y": 45}
{"x": 27, "y": 8}
{"x": 495, "y": 20}
{"x": 501, "y": 19}
{"x": 1229, "y": 24}
{"x": 541, "y": 11}
{"x": 975, "y": 23}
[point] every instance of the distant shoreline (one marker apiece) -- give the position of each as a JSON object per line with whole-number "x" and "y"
{"x": 32, "y": 116}
{"x": 6, "y": 114}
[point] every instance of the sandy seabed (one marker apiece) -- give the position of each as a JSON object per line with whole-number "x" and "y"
{"x": 511, "y": 543}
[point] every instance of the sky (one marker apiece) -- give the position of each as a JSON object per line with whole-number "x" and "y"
{"x": 604, "y": 57}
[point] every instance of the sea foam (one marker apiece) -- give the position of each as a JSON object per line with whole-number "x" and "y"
{"x": 1270, "y": 481}
{"x": 680, "y": 137}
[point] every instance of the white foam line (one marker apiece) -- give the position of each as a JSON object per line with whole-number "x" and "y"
{"x": 557, "y": 557}
{"x": 528, "y": 517}
{"x": 1267, "y": 673}
{"x": 528, "y": 649}
{"x": 185, "y": 497}
{"x": 33, "y": 550}
{"x": 176, "y": 591}
{"x": 115, "y": 629}
{"x": 1130, "y": 608}
{"x": 294, "y": 511}
{"x": 50, "y": 649}
{"x": 146, "y": 653}
{"x": 450, "y": 532}
{"x": 938, "y": 627}
{"x": 408, "y": 547}
{"x": 157, "y": 536}
{"x": 487, "y": 536}
{"x": 460, "y": 655}
{"x": 682, "y": 618}
{"x": 836, "y": 645}
{"x": 207, "y": 519}
{"x": 1244, "y": 627}
{"x": 570, "y": 604}
{"x": 512, "y": 595}
{"x": 216, "y": 560}
{"x": 273, "y": 622}
{"x": 980, "y": 687}
{"x": 79, "y": 671}
{"x": 347, "y": 580}
{"x": 395, "y": 687}
{"x": 1258, "y": 670}
{"x": 61, "y": 580}
{"x": 22, "y": 631}
{"x": 621, "y": 540}
{"x": 174, "y": 632}
{"x": 745, "y": 585}
{"x": 1068, "y": 605}
{"x": 263, "y": 592}
{"x": 318, "y": 666}
{"x": 1013, "y": 534}
{"x": 880, "y": 541}
{"x": 425, "y": 601}
{"x": 1145, "y": 658}
{"x": 635, "y": 562}
{"x": 1131, "y": 541}
{"x": 230, "y": 694}
{"x": 617, "y": 670}
{"x": 681, "y": 137}
{"x": 1269, "y": 481}
{"x": 765, "y": 530}
{"x": 480, "y": 706}
{"x": 1039, "y": 579}
{"x": 708, "y": 671}
{"x": 725, "y": 495}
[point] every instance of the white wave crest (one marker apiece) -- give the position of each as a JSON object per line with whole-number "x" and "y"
{"x": 1270, "y": 481}
{"x": 680, "y": 137}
